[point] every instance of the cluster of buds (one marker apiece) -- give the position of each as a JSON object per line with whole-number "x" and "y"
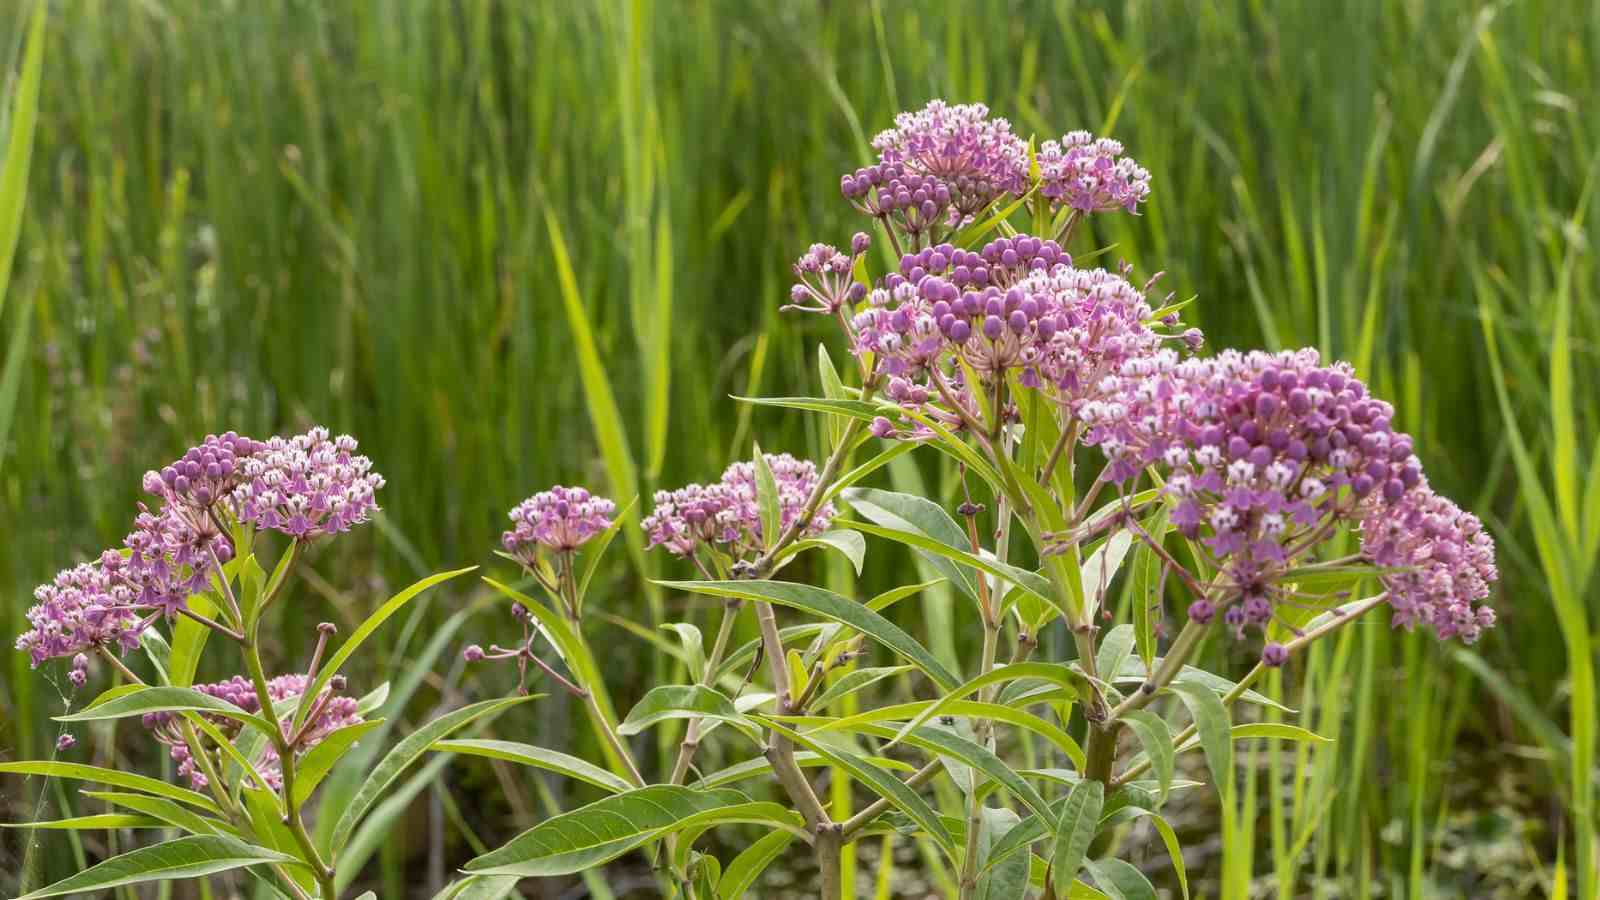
{"x": 826, "y": 276}
{"x": 727, "y": 514}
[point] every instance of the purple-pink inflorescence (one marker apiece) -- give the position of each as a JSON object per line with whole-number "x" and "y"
{"x": 328, "y": 712}
{"x": 826, "y": 276}
{"x": 728, "y": 513}
{"x": 84, "y": 608}
{"x": 1263, "y": 454}
{"x": 1441, "y": 562}
{"x": 206, "y": 475}
{"x": 307, "y": 486}
{"x": 560, "y": 519}
{"x": 171, "y": 555}
{"x": 975, "y": 157}
{"x": 1089, "y": 174}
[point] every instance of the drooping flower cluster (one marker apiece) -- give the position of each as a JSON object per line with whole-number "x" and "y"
{"x": 329, "y": 712}
{"x": 560, "y": 519}
{"x": 307, "y": 486}
{"x": 1263, "y": 454}
{"x": 827, "y": 278}
{"x": 83, "y": 608}
{"x": 1441, "y": 563}
{"x": 1089, "y": 174}
{"x": 728, "y": 513}
{"x": 171, "y": 555}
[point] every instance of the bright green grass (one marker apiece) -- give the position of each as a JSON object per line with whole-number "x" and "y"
{"x": 263, "y": 214}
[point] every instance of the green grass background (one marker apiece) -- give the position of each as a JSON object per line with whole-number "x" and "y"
{"x": 265, "y": 214}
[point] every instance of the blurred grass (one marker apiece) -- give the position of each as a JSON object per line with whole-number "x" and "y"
{"x": 259, "y": 215}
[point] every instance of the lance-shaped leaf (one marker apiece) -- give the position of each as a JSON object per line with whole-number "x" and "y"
{"x": 745, "y": 868}
{"x": 103, "y": 821}
{"x": 850, "y": 543}
{"x": 1055, "y": 673}
{"x": 539, "y": 758}
{"x": 185, "y": 857}
{"x": 165, "y": 699}
{"x": 1212, "y": 723}
{"x": 855, "y": 680}
{"x": 681, "y": 701}
{"x": 1007, "y": 880}
{"x": 404, "y": 754}
{"x": 320, "y": 760}
{"x": 1080, "y": 817}
{"x": 600, "y": 832}
{"x": 886, "y": 785}
{"x": 908, "y": 517}
{"x": 168, "y": 811}
{"x": 971, "y": 708}
{"x": 830, "y": 606}
{"x": 1120, "y": 880}
{"x": 866, "y": 411}
{"x": 1156, "y": 738}
{"x": 365, "y": 630}
{"x": 112, "y": 777}
{"x": 479, "y": 887}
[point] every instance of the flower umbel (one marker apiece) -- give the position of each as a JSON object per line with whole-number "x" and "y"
{"x": 1090, "y": 174}
{"x": 308, "y": 485}
{"x": 560, "y": 519}
{"x": 1442, "y": 562}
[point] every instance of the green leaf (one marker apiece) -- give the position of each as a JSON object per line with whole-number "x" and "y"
{"x": 1120, "y": 880}
{"x": 864, "y": 410}
{"x": 1011, "y": 715}
{"x": 602, "y": 402}
{"x": 830, "y": 606}
{"x": 1211, "y": 721}
{"x": 1007, "y": 879}
{"x": 1080, "y": 816}
{"x": 189, "y": 641}
{"x": 681, "y": 701}
{"x": 165, "y": 699}
{"x": 112, "y": 777}
{"x": 766, "y": 499}
{"x": 833, "y": 389}
{"x": 161, "y": 808}
{"x": 1032, "y": 582}
{"x": 948, "y": 743}
{"x": 539, "y": 758}
{"x": 1114, "y": 649}
{"x": 315, "y": 765}
{"x": 694, "y": 645}
{"x": 886, "y": 785}
{"x": 1053, "y": 672}
{"x": 271, "y": 830}
{"x": 478, "y": 887}
{"x": 850, "y": 543}
{"x": 845, "y": 481}
{"x": 186, "y": 857}
{"x": 1102, "y": 566}
{"x": 1278, "y": 730}
{"x": 745, "y": 868}
{"x": 404, "y": 754}
{"x": 105, "y": 821}
{"x": 19, "y": 154}
{"x": 1156, "y": 738}
{"x": 912, "y": 515}
{"x": 856, "y": 680}
{"x": 602, "y": 831}
{"x": 365, "y": 630}
{"x": 1144, "y": 587}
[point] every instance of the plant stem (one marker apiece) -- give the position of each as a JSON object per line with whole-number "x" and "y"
{"x": 691, "y": 734}
{"x": 984, "y": 730}
{"x": 1171, "y": 664}
{"x": 871, "y": 811}
{"x": 1348, "y": 613}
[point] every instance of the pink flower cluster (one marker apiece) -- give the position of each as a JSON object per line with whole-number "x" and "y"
{"x": 1442, "y": 563}
{"x": 1090, "y": 174}
{"x": 560, "y": 519}
{"x": 975, "y": 157}
{"x": 826, "y": 276}
{"x": 304, "y": 486}
{"x": 308, "y": 486}
{"x": 728, "y": 512}
{"x": 329, "y": 712}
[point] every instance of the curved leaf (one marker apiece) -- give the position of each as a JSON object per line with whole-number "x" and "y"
{"x": 165, "y": 699}
{"x": 112, "y": 777}
{"x": 315, "y": 765}
{"x": 172, "y": 813}
{"x": 745, "y": 868}
{"x": 365, "y": 630}
{"x": 680, "y": 701}
{"x": 539, "y": 758}
{"x": 1080, "y": 817}
{"x": 848, "y": 542}
{"x": 1211, "y": 721}
{"x": 185, "y": 857}
{"x": 1278, "y": 730}
{"x": 1156, "y": 739}
{"x": 1053, "y": 672}
{"x": 866, "y": 411}
{"x": 1120, "y": 880}
{"x": 830, "y": 606}
{"x": 912, "y": 516}
{"x": 404, "y": 754}
{"x": 855, "y": 680}
{"x": 92, "y": 823}
{"x": 886, "y": 785}
{"x": 600, "y": 832}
